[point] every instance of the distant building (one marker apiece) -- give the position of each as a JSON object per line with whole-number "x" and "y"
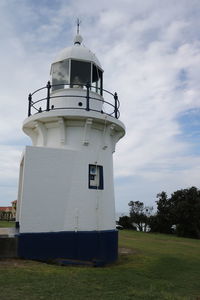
{"x": 8, "y": 213}
{"x": 14, "y": 208}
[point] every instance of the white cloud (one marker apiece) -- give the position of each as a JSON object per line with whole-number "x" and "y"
{"x": 150, "y": 53}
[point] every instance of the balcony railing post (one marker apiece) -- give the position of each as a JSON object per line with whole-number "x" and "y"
{"x": 48, "y": 95}
{"x": 29, "y": 104}
{"x": 116, "y": 105}
{"x": 88, "y": 96}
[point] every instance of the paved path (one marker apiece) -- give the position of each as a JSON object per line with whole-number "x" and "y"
{"x": 9, "y": 232}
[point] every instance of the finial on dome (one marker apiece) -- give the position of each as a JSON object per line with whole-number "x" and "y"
{"x": 78, "y": 38}
{"x": 78, "y": 23}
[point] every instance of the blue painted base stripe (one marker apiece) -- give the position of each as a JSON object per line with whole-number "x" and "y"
{"x": 82, "y": 245}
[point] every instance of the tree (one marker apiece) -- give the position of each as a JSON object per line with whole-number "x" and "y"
{"x": 125, "y": 221}
{"x": 148, "y": 211}
{"x": 162, "y": 222}
{"x": 186, "y": 212}
{"x": 182, "y": 209}
{"x": 139, "y": 214}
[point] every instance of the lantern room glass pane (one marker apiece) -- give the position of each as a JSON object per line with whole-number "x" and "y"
{"x": 80, "y": 73}
{"x": 96, "y": 80}
{"x": 60, "y": 74}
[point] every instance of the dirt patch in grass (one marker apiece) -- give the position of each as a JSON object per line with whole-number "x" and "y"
{"x": 128, "y": 251}
{"x": 15, "y": 262}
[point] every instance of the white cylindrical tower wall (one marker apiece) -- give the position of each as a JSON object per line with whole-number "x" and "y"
{"x": 92, "y": 142}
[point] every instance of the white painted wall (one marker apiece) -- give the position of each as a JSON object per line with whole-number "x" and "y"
{"x": 55, "y": 193}
{"x": 74, "y": 131}
{"x": 67, "y": 101}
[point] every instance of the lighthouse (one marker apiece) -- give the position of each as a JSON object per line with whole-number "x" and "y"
{"x": 66, "y": 205}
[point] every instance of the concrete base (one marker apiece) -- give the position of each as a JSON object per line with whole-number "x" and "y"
{"x": 8, "y": 232}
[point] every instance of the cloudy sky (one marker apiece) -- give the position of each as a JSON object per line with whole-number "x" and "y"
{"x": 150, "y": 53}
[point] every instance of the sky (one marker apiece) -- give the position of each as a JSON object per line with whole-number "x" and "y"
{"x": 150, "y": 53}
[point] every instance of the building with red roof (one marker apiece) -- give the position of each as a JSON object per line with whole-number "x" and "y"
{"x": 8, "y": 213}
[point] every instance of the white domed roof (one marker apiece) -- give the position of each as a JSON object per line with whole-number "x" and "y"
{"x": 77, "y": 51}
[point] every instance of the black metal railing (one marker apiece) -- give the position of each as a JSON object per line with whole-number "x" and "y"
{"x": 38, "y": 105}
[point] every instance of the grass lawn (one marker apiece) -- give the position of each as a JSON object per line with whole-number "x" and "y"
{"x": 7, "y": 224}
{"x": 150, "y": 266}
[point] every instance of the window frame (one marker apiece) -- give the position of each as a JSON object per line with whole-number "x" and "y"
{"x": 100, "y": 184}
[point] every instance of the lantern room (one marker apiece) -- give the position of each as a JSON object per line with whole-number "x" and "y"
{"x": 75, "y": 67}
{"x": 76, "y": 84}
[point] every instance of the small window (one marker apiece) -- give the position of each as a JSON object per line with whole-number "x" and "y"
{"x": 95, "y": 177}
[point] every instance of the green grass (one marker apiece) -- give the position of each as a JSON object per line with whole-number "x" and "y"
{"x": 153, "y": 267}
{"x": 5, "y": 224}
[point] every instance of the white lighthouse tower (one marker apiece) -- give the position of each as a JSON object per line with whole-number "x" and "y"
{"x": 66, "y": 206}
